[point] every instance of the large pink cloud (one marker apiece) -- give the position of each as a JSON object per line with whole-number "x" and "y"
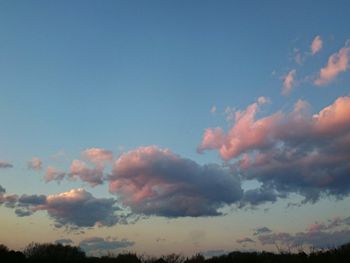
{"x": 290, "y": 152}
{"x": 155, "y": 181}
{"x": 337, "y": 63}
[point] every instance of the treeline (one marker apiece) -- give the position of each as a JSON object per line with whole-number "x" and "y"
{"x": 54, "y": 253}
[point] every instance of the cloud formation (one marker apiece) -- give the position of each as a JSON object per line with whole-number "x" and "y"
{"x": 289, "y": 152}
{"x": 153, "y": 181}
{"x": 35, "y": 164}
{"x": 92, "y": 176}
{"x": 83, "y": 171}
{"x": 316, "y": 45}
{"x": 288, "y": 82}
{"x": 337, "y": 63}
{"x": 9, "y": 200}
{"x": 104, "y": 244}
{"x": 245, "y": 240}
{"x": 316, "y": 239}
{"x": 75, "y": 208}
{"x": 52, "y": 174}
{"x": 98, "y": 156}
{"x": 261, "y": 230}
{"x": 5, "y": 164}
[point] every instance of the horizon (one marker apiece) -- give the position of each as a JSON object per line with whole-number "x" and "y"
{"x": 165, "y": 127}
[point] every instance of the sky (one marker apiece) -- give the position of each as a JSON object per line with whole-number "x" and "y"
{"x": 175, "y": 126}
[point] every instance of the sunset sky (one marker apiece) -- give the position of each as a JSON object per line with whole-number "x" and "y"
{"x": 175, "y": 126}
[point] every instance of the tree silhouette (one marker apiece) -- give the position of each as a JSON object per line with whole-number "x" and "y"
{"x": 54, "y": 253}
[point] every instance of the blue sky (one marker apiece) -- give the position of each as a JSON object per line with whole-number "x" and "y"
{"x": 119, "y": 75}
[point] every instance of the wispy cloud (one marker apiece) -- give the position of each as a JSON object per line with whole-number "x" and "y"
{"x": 213, "y": 109}
{"x": 98, "y": 156}
{"x": 35, "y": 164}
{"x": 288, "y": 82}
{"x": 316, "y": 45}
{"x": 99, "y": 244}
{"x": 52, "y": 174}
{"x": 261, "y": 230}
{"x": 245, "y": 240}
{"x": 5, "y": 164}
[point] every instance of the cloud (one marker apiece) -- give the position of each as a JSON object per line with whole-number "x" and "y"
{"x": 79, "y": 207}
{"x": 52, "y": 174}
{"x": 32, "y": 200}
{"x": 5, "y": 164}
{"x": 245, "y": 240}
{"x": 316, "y": 45}
{"x": 319, "y": 235}
{"x": 35, "y": 164}
{"x": 337, "y": 63}
{"x": 75, "y": 208}
{"x": 247, "y": 133}
{"x": 80, "y": 170}
{"x": 330, "y": 225}
{"x": 261, "y": 230}
{"x": 259, "y": 196}
{"x": 316, "y": 239}
{"x": 288, "y": 82}
{"x": 153, "y": 181}
{"x": 298, "y": 58}
{"x": 64, "y": 241}
{"x": 104, "y": 244}
{"x": 98, "y": 156}
{"x": 294, "y": 152}
{"x": 213, "y": 109}
{"x": 23, "y": 212}
{"x": 9, "y": 200}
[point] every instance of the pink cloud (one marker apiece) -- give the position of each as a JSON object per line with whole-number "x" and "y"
{"x": 35, "y": 164}
{"x": 80, "y": 170}
{"x": 245, "y": 134}
{"x": 334, "y": 118}
{"x": 310, "y": 151}
{"x": 52, "y": 174}
{"x": 288, "y": 82}
{"x": 316, "y": 227}
{"x": 98, "y": 155}
{"x": 212, "y": 139}
{"x": 337, "y": 63}
{"x": 316, "y": 45}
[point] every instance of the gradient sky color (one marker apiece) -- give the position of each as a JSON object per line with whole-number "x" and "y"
{"x": 126, "y": 103}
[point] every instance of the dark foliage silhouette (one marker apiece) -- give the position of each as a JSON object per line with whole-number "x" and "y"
{"x": 52, "y": 253}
